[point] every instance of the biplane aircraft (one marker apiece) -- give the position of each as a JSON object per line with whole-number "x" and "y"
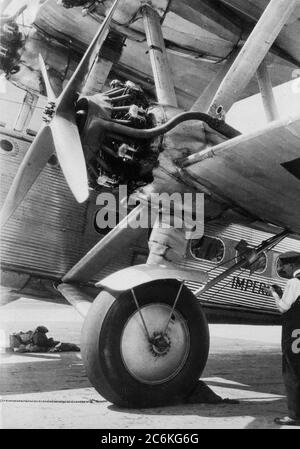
{"x": 145, "y": 107}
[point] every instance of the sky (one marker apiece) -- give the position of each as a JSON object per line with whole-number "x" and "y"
{"x": 248, "y": 115}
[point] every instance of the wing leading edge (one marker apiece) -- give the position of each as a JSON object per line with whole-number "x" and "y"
{"x": 259, "y": 172}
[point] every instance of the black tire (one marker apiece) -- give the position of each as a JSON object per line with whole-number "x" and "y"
{"x": 105, "y": 345}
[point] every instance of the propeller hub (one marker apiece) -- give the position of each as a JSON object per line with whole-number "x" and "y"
{"x": 49, "y": 111}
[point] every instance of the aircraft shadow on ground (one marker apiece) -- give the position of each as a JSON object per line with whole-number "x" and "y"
{"x": 261, "y": 414}
{"x": 255, "y": 371}
{"x": 239, "y": 372}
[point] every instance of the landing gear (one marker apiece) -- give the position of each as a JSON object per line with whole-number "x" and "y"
{"x": 141, "y": 351}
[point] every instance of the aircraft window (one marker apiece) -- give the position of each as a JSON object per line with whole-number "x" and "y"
{"x": 260, "y": 263}
{"x": 208, "y": 248}
{"x": 281, "y": 269}
{"x": 6, "y": 145}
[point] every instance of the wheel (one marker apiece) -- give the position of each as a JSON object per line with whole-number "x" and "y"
{"x": 132, "y": 367}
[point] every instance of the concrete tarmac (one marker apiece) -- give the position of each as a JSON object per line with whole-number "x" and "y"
{"x": 51, "y": 391}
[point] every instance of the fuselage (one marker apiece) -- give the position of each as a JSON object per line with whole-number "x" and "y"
{"x": 50, "y": 232}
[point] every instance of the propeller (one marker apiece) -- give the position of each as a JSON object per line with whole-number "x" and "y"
{"x": 59, "y": 133}
{"x": 49, "y": 91}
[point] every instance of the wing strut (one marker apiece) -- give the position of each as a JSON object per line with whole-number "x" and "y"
{"x": 266, "y": 90}
{"x": 164, "y": 86}
{"x": 252, "y": 54}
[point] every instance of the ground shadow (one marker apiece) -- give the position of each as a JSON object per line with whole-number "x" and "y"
{"x": 261, "y": 413}
{"x": 237, "y": 374}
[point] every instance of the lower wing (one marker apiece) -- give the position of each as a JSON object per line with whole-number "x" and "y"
{"x": 258, "y": 172}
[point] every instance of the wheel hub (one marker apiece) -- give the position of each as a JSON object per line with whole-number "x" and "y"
{"x": 158, "y": 358}
{"x": 160, "y": 344}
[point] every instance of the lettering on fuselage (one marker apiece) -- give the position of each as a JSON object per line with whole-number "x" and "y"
{"x": 249, "y": 285}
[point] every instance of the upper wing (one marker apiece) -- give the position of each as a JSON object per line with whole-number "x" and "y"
{"x": 199, "y": 35}
{"x": 258, "y": 172}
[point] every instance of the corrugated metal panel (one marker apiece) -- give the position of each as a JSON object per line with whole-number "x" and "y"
{"x": 46, "y": 233}
{"x": 225, "y": 292}
{"x": 50, "y": 231}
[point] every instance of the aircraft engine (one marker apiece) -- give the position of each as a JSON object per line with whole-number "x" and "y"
{"x": 10, "y": 44}
{"x": 130, "y": 142}
{"x": 113, "y": 159}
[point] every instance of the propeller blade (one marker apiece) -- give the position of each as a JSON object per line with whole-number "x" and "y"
{"x": 33, "y": 163}
{"x": 60, "y": 135}
{"x": 82, "y": 72}
{"x": 50, "y": 94}
{"x": 70, "y": 155}
{"x": 65, "y": 132}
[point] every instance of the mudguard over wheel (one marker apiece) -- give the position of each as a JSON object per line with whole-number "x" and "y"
{"x": 131, "y": 359}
